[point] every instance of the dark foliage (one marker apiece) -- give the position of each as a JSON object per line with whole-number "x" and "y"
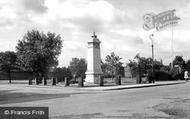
{"x": 61, "y": 73}
{"x": 112, "y": 65}
{"x": 78, "y": 67}
{"x": 8, "y": 62}
{"x": 38, "y": 52}
{"x": 163, "y": 76}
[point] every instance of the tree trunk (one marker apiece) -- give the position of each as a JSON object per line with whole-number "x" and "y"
{"x": 75, "y": 77}
{"x": 80, "y": 82}
{"x": 34, "y": 77}
{"x": 44, "y": 80}
{"x": 118, "y": 80}
{"x": 30, "y": 81}
{"x": 101, "y": 82}
{"x": 9, "y": 76}
{"x": 112, "y": 76}
{"x": 53, "y": 81}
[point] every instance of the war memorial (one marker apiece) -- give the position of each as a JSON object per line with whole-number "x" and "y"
{"x": 94, "y": 70}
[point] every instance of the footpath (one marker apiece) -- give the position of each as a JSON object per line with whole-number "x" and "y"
{"x": 120, "y": 87}
{"x": 74, "y": 89}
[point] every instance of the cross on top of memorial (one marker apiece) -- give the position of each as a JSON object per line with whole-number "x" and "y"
{"x": 94, "y": 35}
{"x": 95, "y": 39}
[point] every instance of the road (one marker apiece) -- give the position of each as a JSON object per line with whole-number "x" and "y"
{"x": 163, "y": 102}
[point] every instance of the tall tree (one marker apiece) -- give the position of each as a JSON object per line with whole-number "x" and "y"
{"x": 133, "y": 67}
{"x": 178, "y": 67}
{"x": 104, "y": 67}
{"x": 114, "y": 64}
{"x": 142, "y": 65}
{"x": 78, "y": 67}
{"x": 38, "y": 52}
{"x": 179, "y": 61}
{"x": 187, "y": 65}
{"x": 8, "y": 62}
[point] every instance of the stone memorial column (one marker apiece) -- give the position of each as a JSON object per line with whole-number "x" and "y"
{"x": 94, "y": 61}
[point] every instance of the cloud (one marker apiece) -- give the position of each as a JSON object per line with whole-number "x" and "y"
{"x": 138, "y": 40}
{"x": 118, "y": 24}
{"x": 6, "y": 22}
{"x": 7, "y": 16}
{"x": 86, "y": 14}
{"x": 89, "y": 24}
{"x": 19, "y": 13}
{"x": 37, "y": 6}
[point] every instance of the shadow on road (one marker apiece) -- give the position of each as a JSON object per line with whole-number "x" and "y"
{"x": 8, "y": 97}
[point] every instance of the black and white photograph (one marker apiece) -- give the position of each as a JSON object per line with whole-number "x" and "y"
{"x": 94, "y": 59}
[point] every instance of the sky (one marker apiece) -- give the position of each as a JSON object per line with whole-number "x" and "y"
{"x": 117, "y": 23}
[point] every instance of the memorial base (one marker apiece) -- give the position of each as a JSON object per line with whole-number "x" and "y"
{"x": 92, "y": 78}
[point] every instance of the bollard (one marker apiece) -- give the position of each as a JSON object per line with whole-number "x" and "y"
{"x": 36, "y": 80}
{"x": 66, "y": 81}
{"x": 30, "y": 81}
{"x": 153, "y": 77}
{"x": 44, "y": 80}
{"x": 80, "y": 82}
{"x": 118, "y": 80}
{"x": 40, "y": 79}
{"x": 138, "y": 79}
{"x": 101, "y": 81}
{"x": 53, "y": 80}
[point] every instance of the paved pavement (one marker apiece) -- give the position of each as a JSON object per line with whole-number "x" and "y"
{"x": 86, "y": 88}
{"x": 119, "y": 87}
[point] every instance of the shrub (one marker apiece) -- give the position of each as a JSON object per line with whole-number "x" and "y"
{"x": 177, "y": 73}
{"x": 163, "y": 76}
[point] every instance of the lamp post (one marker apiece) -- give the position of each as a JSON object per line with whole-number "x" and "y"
{"x": 152, "y": 45}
